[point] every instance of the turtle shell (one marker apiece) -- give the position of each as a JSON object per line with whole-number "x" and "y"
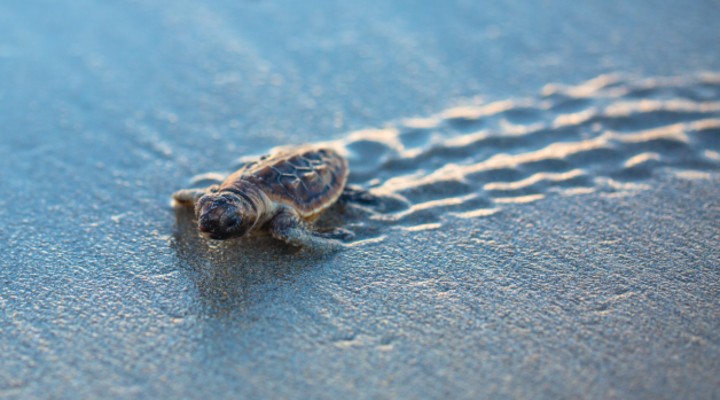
{"x": 308, "y": 179}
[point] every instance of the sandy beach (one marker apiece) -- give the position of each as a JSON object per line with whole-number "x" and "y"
{"x": 548, "y": 175}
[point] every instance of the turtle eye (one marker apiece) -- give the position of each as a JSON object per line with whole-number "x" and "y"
{"x": 235, "y": 221}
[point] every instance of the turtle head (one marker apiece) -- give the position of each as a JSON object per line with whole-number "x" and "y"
{"x": 225, "y": 215}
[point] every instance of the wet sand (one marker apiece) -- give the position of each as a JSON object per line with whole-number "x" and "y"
{"x": 548, "y": 225}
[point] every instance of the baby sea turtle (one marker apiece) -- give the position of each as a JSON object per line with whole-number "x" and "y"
{"x": 282, "y": 193}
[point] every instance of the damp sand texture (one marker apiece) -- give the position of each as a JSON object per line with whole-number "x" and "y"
{"x": 548, "y": 174}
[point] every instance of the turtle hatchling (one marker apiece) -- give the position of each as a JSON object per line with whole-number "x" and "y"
{"x": 282, "y": 193}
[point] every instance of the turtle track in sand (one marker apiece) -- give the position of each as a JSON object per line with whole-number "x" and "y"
{"x": 607, "y": 136}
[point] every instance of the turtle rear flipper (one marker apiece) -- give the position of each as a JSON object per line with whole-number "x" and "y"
{"x": 355, "y": 194}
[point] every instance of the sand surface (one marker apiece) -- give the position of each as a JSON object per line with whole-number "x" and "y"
{"x": 549, "y": 176}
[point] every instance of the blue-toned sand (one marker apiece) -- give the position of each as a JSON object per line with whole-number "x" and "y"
{"x": 549, "y": 177}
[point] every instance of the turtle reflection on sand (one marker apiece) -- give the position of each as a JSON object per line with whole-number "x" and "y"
{"x": 282, "y": 193}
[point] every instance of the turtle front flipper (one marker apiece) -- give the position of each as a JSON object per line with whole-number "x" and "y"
{"x": 290, "y": 228}
{"x": 188, "y": 197}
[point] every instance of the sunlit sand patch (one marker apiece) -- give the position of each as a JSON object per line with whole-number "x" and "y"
{"x": 466, "y": 140}
{"x": 421, "y": 123}
{"x": 388, "y": 137}
{"x": 475, "y": 112}
{"x": 208, "y": 177}
{"x": 423, "y": 227}
{"x": 574, "y": 119}
{"x": 511, "y": 129}
{"x": 622, "y": 186}
{"x": 520, "y": 199}
{"x": 587, "y": 89}
{"x": 712, "y": 155}
{"x": 665, "y": 82}
{"x": 710, "y": 77}
{"x": 457, "y": 172}
{"x": 483, "y": 212}
{"x": 705, "y": 124}
{"x": 626, "y": 108}
{"x": 575, "y": 191}
{"x": 466, "y": 112}
{"x": 674, "y": 132}
{"x": 641, "y": 159}
{"x": 363, "y": 242}
{"x": 449, "y": 201}
{"x": 434, "y": 204}
{"x": 693, "y": 175}
{"x": 400, "y": 183}
{"x": 533, "y": 179}
{"x": 412, "y": 153}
